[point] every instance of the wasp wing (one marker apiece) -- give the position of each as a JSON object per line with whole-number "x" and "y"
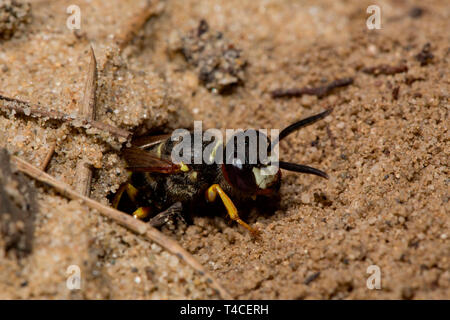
{"x": 140, "y": 160}
{"x": 145, "y": 142}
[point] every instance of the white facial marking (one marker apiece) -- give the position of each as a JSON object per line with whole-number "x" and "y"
{"x": 263, "y": 180}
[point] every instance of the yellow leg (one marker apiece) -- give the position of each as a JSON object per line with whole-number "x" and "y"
{"x": 142, "y": 212}
{"x": 118, "y": 196}
{"x": 211, "y": 194}
{"x": 131, "y": 191}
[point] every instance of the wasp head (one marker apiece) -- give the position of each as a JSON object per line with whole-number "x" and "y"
{"x": 251, "y": 161}
{"x": 249, "y": 164}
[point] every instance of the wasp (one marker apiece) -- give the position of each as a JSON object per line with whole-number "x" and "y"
{"x": 159, "y": 188}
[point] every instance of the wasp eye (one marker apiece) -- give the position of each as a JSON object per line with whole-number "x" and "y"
{"x": 240, "y": 176}
{"x": 241, "y": 156}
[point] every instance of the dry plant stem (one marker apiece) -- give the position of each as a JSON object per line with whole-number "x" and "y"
{"x": 136, "y": 23}
{"x": 83, "y": 177}
{"x": 48, "y": 157}
{"x": 88, "y": 106}
{"x": 87, "y": 110}
{"x": 51, "y": 150}
{"x": 385, "y": 69}
{"x": 320, "y": 92}
{"x": 25, "y": 108}
{"x": 124, "y": 220}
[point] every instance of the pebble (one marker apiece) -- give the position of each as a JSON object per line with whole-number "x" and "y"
{"x": 305, "y": 198}
{"x": 340, "y": 125}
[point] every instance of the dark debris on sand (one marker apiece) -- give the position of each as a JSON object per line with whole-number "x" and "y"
{"x": 17, "y": 208}
{"x": 219, "y": 63}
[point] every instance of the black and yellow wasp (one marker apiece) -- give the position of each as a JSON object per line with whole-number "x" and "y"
{"x": 159, "y": 188}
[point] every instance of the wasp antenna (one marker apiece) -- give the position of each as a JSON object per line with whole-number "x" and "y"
{"x": 300, "y": 124}
{"x": 302, "y": 169}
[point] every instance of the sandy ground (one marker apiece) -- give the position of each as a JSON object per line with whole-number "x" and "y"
{"x": 385, "y": 147}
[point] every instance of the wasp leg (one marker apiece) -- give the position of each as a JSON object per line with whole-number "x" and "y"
{"x": 131, "y": 192}
{"x": 211, "y": 194}
{"x": 165, "y": 216}
{"x": 142, "y": 212}
{"x": 118, "y": 195}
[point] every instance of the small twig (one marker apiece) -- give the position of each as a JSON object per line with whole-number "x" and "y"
{"x": 88, "y": 105}
{"x": 133, "y": 26}
{"x": 87, "y": 110}
{"x": 51, "y": 151}
{"x": 311, "y": 278}
{"x": 48, "y": 157}
{"x": 409, "y": 80}
{"x": 25, "y": 108}
{"x": 320, "y": 92}
{"x": 83, "y": 177}
{"x": 124, "y": 220}
{"x": 385, "y": 69}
